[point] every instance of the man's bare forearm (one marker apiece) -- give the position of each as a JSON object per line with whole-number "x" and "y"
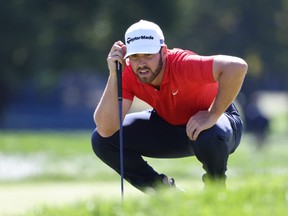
{"x": 106, "y": 115}
{"x": 230, "y": 80}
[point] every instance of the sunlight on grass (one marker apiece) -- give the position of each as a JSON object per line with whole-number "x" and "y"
{"x": 256, "y": 197}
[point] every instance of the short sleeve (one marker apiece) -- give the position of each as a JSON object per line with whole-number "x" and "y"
{"x": 198, "y": 68}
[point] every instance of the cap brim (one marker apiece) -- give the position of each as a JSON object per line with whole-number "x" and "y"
{"x": 142, "y": 50}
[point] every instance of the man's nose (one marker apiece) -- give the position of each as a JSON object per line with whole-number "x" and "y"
{"x": 142, "y": 62}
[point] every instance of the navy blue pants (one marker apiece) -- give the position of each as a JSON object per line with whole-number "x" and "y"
{"x": 147, "y": 134}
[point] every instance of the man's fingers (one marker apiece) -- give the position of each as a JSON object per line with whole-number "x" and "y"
{"x": 119, "y": 46}
{"x": 195, "y": 134}
{"x": 197, "y": 123}
{"x": 115, "y": 56}
{"x": 192, "y": 133}
{"x": 117, "y": 52}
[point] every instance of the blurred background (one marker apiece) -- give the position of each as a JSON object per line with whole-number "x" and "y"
{"x": 53, "y": 53}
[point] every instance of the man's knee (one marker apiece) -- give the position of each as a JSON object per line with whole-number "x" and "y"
{"x": 99, "y": 144}
{"x": 96, "y": 142}
{"x": 214, "y": 135}
{"x": 211, "y": 148}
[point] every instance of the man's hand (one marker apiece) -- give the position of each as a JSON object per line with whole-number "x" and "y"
{"x": 116, "y": 53}
{"x": 199, "y": 122}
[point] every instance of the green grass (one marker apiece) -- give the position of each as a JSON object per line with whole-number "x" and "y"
{"x": 257, "y": 179}
{"x": 255, "y": 198}
{"x": 60, "y": 144}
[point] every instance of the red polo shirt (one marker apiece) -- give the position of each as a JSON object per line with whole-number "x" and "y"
{"x": 188, "y": 86}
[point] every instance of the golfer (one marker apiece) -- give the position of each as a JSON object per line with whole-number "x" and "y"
{"x": 192, "y": 108}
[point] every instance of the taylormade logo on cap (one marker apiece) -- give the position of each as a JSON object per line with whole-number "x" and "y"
{"x": 143, "y": 37}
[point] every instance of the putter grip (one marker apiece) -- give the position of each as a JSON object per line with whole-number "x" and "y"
{"x": 119, "y": 79}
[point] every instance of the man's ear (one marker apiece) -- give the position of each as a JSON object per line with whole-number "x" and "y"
{"x": 164, "y": 51}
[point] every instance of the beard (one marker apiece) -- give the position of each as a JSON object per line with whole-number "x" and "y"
{"x": 152, "y": 74}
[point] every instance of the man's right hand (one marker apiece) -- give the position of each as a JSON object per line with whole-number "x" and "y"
{"x": 116, "y": 53}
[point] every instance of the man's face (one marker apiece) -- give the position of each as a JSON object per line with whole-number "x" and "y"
{"x": 146, "y": 66}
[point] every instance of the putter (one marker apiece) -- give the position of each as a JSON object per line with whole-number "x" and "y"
{"x": 119, "y": 82}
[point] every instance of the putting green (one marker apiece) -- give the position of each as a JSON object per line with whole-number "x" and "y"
{"x": 17, "y": 199}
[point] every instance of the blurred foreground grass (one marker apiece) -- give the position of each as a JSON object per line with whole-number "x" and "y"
{"x": 255, "y": 198}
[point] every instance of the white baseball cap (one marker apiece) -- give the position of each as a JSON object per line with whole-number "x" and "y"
{"x": 143, "y": 37}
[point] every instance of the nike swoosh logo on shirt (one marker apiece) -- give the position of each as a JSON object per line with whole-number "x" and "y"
{"x": 175, "y": 92}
